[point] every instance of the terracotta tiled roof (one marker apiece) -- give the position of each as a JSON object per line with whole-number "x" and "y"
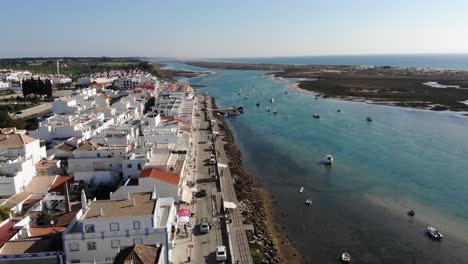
{"x": 160, "y": 175}
{"x": 138, "y": 254}
{"x": 90, "y": 145}
{"x": 7, "y": 232}
{"x": 65, "y": 147}
{"x": 59, "y": 181}
{"x": 43, "y": 231}
{"x": 14, "y": 140}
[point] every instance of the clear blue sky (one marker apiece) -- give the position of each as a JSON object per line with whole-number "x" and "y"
{"x": 222, "y": 28}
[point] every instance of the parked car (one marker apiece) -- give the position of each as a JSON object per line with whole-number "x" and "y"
{"x": 212, "y": 162}
{"x": 221, "y": 254}
{"x": 200, "y": 194}
{"x": 204, "y": 226}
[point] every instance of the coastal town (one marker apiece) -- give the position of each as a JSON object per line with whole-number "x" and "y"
{"x": 123, "y": 165}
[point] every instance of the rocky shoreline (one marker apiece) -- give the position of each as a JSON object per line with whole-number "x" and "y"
{"x": 268, "y": 243}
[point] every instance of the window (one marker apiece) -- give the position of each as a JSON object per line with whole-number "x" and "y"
{"x": 139, "y": 166}
{"x": 137, "y": 241}
{"x": 115, "y": 243}
{"x": 91, "y": 245}
{"x": 114, "y": 226}
{"x": 129, "y": 166}
{"x": 99, "y": 155}
{"x": 74, "y": 247}
{"x": 136, "y": 225}
{"x": 90, "y": 229}
{"x": 109, "y": 258}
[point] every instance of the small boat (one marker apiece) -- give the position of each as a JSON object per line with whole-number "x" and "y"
{"x": 316, "y": 115}
{"x": 339, "y": 110}
{"x": 369, "y": 119}
{"x": 346, "y": 257}
{"x": 328, "y": 160}
{"x": 308, "y": 202}
{"x": 316, "y": 97}
{"x": 411, "y": 213}
{"x": 272, "y": 100}
{"x": 434, "y": 233}
{"x": 268, "y": 109}
{"x": 286, "y": 92}
{"x": 245, "y": 98}
{"x": 301, "y": 189}
{"x": 275, "y": 112}
{"x": 258, "y": 104}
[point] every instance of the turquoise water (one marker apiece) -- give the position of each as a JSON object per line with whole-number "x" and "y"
{"x": 412, "y": 157}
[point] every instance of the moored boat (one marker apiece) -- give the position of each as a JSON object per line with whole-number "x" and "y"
{"x": 369, "y": 119}
{"x": 301, "y": 189}
{"x": 346, "y": 257}
{"x": 316, "y": 115}
{"x": 308, "y": 202}
{"x": 328, "y": 160}
{"x": 434, "y": 233}
{"x": 258, "y": 104}
{"x": 272, "y": 100}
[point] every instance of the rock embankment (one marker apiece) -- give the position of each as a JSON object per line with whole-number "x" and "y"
{"x": 268, "y": 244}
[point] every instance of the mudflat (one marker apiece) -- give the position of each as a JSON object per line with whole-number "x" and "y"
{"x": 433, "y": 89}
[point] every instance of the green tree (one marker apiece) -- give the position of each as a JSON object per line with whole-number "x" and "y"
{"x": 44, "y": 218}
{"x": 4, "y": 212}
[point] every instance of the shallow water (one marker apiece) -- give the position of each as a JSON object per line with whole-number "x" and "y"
{"x": 407, "y": 158}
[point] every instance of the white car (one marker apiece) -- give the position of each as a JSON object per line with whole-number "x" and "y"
{"x": 212, "y": 162}
{"x": 221, "y": 254}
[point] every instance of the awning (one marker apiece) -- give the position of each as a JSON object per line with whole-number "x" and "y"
{"x": 184, "y": 219}
{"x": 183, "y": 212}
{"x": 229, "y": 205}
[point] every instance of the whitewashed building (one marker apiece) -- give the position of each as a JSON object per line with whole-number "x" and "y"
{"x": 102, "y": 228}
{"x": 98, "y": 163}
{"x": 19, "y": 154}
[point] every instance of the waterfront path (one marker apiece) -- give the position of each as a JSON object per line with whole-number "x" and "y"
{"x": 239, "y": 246}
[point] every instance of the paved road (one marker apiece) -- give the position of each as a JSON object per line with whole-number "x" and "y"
{"x": 231, "y": 233}
{"x": 44, "y": 107}
{"x": 201, "y": 247}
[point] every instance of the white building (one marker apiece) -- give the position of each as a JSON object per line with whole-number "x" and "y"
{"x": 65, "y": 105}
{"x": 66, "y": 126}
{"x": 102, "y": 228}
{"x": 166, "y": 184}
{"x": 18, "y": 156}
{"x": 98, "y": 163}
{"x": 4, "y": 85}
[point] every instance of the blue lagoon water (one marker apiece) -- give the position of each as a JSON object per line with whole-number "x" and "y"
{"x": 404, "y": 159}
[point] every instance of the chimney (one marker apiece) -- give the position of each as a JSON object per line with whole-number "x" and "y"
{"x": 84, "y": 204}
{"x": 134, "y": 203}
{"x": 101, "y": 212}
{"x": 154, "y": 193}
{"x": 67, "y": 199}
{"x": 128, "y": 195}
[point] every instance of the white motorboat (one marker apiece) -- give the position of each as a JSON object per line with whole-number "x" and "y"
{"x": 434, "y": 233}
{"x": 301, "y": 189}
{"x": 272, "y": 100}
{"x": 328, "y": 160}
{"x": 346, "y": 257}
{"x": 308, "y": 202}
{"x": 316, "y": 115}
